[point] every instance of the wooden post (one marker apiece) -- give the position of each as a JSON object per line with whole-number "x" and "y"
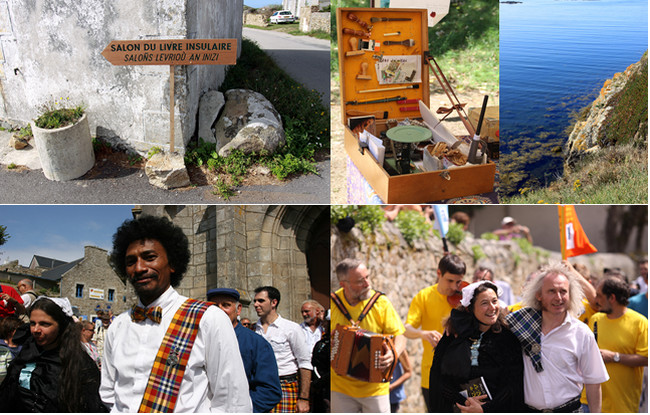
{"x": 172, "y": 52}
{"x": 171, "y": 108}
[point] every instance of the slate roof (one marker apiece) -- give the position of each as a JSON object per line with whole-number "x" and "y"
{"x": 56, "y": 274}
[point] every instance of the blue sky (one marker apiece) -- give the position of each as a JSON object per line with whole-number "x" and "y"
{"x": 58, "y": 231}
{"x": 260, "y": 3}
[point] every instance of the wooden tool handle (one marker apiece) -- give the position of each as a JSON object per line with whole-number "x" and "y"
{"x": 354, "y": 18}
{"x": 349, "y": 31}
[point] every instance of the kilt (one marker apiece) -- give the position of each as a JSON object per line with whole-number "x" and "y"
{"x": 289, "y": 385}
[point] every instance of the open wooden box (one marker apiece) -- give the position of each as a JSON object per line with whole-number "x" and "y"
{"x": 407, "y": 188}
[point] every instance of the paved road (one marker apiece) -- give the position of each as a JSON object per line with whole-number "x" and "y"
{"x": 131, "y": 186}
{"x": 306, "y": 59}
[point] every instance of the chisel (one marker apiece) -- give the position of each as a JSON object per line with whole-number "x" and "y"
{"x": 375, "y": 101}
{"x": 390, "y": 19}
{"x": 395, "y": 88}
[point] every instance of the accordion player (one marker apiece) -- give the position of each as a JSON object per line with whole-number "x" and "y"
{"x": 355, "y": 352}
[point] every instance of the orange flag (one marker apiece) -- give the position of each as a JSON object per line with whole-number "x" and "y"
{"x": 573, "y": 239}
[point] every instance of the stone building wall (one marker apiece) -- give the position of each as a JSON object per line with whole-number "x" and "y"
{"x": 401, "y": 271}
{"x": 248, "y": 246}
{"x": 51, "y": 51}
{"x": 95, "y": 272}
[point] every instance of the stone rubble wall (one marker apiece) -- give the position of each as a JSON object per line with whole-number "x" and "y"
{"x": 401, "y": 271}
{"x": 51, "y": 51}
{"x": 256, "y": 19}
{"x": 311, "y": 19}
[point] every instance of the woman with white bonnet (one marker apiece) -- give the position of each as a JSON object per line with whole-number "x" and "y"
{"x": 477, "y": 365}
{"x": 52, "y": 372}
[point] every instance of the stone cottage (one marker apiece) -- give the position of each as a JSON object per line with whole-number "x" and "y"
{"x": 90, "y": 283}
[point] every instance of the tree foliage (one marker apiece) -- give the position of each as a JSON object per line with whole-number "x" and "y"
{"x": 3, "y": 235}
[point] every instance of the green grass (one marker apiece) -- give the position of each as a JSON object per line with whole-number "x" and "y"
{"x": 617, "y": 174}
{"x": 305, "y": 120}
{"x": 292, "y": 29}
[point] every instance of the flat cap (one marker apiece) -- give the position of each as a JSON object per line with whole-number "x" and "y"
{"x": 231, "y": 292}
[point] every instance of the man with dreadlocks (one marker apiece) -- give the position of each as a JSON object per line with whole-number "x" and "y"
{"x": 168, "y": 353}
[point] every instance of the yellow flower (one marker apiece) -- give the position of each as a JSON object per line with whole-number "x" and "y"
{"x": 540, "y": 201}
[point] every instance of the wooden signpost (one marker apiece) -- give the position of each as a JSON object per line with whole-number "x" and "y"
{"x": 172, "y": 52}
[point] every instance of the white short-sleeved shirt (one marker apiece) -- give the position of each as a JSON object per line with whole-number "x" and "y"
{"x": 312, "y": 337}
{"x": 570, "y": 358}
{"x": 289, "y": 345}
{"x": 214, "y": 379}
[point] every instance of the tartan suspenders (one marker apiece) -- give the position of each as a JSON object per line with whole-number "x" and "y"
{"x": 171, "y": 360}
{"x": 365, "y": 310}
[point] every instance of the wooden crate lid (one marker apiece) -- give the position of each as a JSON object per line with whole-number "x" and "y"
{"x": 351, "y": 66}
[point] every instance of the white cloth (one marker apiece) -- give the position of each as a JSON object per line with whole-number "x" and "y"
{"x": 214, "y": 379}
{"x": 27, "y": 300}
{"x": 506, "y": 290}
{"x": 570, "y": 358}
{"x": 312, "y": 337}
{"x": 289, "y": 345}
{"x": 643, "y": 286}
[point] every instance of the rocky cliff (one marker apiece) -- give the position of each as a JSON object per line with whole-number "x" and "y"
{"x": 618, "y": 115}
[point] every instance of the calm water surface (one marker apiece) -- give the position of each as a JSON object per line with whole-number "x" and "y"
{"x": 555, "y": 56}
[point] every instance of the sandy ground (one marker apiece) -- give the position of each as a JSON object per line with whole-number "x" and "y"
{"x": 473, "y": 98}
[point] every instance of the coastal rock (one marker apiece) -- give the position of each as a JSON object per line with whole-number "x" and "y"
{"x": 588, "y": 134}
{"x": 167, "y": 171}
{"x": 18, "y": 142}
{"x": 210, "y": 105}
{"x": 249, "y": 123}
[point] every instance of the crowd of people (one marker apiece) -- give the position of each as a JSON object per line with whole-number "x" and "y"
{"x": 574, "y": 343}
{"x": 168, "y": 353}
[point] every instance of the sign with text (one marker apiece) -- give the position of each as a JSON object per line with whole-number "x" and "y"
{"x": 172, "y": 52}
{"x": 96, "y": 293}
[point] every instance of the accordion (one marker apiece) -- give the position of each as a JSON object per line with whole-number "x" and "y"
{"x": 355, "y": 353}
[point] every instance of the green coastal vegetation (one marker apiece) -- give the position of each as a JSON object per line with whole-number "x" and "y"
{"x": 617, "y": 172}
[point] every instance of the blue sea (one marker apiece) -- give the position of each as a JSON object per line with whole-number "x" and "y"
{"x": 555, "y": 56}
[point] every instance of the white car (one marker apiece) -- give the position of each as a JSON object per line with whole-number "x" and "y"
{"x": 282, "y": 16}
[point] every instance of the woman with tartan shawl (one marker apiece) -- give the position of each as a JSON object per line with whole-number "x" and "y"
{"x": 477, "y": 365}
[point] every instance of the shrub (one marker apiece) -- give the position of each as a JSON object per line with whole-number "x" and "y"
{"x": 412, "y": 225}
{"x": 53, "y": 116}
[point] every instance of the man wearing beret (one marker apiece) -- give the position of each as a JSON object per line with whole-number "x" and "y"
{"x": 256, "y": 353}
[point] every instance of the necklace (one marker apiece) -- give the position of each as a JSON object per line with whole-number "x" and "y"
{"x": 476, "y": 343}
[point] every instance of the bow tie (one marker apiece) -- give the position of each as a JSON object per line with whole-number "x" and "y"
{"x": 139, "y": 314}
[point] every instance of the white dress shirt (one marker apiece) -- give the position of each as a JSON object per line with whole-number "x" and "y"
{"x": 312, "y": 337}
{"x": 570, "y": 358}
{"x": 289, "y": 345}
{"x": 214, "y": 379}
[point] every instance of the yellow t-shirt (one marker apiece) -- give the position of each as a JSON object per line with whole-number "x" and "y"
{"x": 428, "y": 310}
{"x": 382, "y": 318}
{"x": 589, "y": 311}
{"x": 515, "y": 307}
{"x": 627, "y": 334}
